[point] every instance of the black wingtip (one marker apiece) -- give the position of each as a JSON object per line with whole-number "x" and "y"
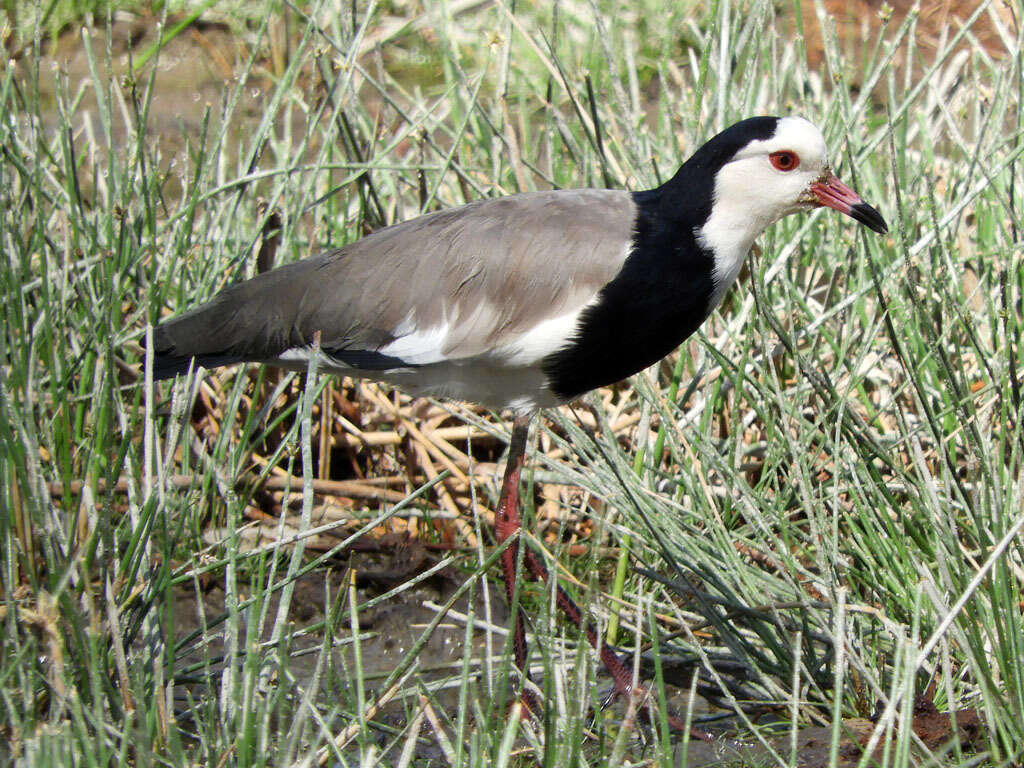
{"x": 168, "y": 362}
{"x": 169, "y": 366}
{"x": 869, "y": 217}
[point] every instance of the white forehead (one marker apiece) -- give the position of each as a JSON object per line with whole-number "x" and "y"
{"x": 796, "y": 134}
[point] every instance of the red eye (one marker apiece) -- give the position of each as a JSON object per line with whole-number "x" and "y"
{"x": 784, "y": 160}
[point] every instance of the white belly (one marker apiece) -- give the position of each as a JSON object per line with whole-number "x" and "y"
{"x": 477, "y": 380}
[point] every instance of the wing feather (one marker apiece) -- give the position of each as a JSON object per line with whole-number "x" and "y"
{"x": 486, "y": 273}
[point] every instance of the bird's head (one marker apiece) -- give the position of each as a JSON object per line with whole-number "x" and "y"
{"x": 748, "y": 177}
{"x": 779, "y": 166}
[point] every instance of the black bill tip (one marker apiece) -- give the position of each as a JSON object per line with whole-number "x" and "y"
{"x": 869, "y": 217}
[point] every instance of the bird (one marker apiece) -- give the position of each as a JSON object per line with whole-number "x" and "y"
{"x": 527, "y": 301}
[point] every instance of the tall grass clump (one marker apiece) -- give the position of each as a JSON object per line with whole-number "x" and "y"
{"x": 813, "y": 508}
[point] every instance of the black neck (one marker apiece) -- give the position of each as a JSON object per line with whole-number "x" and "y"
{"x": 663, "y": 292}
{"x": 661, "y": 296}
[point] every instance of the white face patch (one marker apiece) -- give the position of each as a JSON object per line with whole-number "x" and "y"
{"x": 795, "y": 134}
{"x": 751, "y": 194}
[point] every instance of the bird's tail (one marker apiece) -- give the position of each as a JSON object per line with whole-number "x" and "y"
{"x": 183, "y": 343}
{"x": 168, "y": 365}
{"x": 252, "y": 321}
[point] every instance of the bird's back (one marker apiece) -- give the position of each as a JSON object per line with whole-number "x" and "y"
{"x": 454, "y": 287}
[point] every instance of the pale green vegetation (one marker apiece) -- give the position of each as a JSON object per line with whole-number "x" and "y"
{"x": 824, "y": 488}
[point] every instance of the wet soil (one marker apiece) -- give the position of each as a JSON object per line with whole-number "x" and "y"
{"x": 386, "y": 631}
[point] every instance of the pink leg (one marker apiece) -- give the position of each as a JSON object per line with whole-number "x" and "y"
{"x": 508, "y": 522}
{"x": 621, "y": 674}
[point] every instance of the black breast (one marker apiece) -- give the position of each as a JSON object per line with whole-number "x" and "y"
{"x": 663, "y": 292}
{"x": 661, "y": 296}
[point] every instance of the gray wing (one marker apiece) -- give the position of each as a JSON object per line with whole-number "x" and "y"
{"x": 452, "y": 284}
